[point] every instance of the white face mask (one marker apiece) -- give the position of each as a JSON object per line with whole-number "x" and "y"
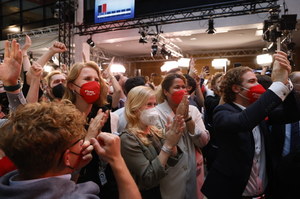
{"x": 150, "y": 117}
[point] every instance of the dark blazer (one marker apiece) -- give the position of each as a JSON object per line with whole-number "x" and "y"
{"x": 285, "y": 182}
{"x": 231, "y": 170}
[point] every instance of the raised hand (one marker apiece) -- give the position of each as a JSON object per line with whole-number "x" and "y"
{"x": 35, "y": 71}
{"x": 58, "y": 47}
{"x": 107, "y": 146}
{"x": 281, "y": 67}
{"x": 27, "y": 44}
{"x": 107, "y": 72}
{"x": 11, "y": 68}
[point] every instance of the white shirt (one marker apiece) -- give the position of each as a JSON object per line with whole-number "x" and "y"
{"x": 114, "y": 119}
{"x": 258, "y": 179}
{"x": 122, "y": 122}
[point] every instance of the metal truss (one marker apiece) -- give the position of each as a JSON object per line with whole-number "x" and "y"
{"x": 235, "y": 8}
{"x": 227, "y": 53}
{"x": 66, "y": 16}
{"x": 157, "y": 58}
{"x": 211, "y": 54}
{"x": 50, "y": 30}
{"x": 66, "y": 36}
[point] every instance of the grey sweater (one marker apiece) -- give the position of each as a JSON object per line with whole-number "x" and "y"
{"x": 52, "y": 187}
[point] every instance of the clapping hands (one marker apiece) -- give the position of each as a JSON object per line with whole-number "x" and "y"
{"x": 174, "y": 131}
{"x": 183, "y": 107}
{"x": 96, "y": 124}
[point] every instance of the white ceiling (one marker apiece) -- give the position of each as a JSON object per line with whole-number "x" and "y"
{"x": 125, "y": 43}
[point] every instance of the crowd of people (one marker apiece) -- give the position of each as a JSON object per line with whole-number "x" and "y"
{"x": 79, "y": 132}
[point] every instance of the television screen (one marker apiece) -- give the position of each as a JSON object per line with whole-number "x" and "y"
{"x": 113, "y": 10}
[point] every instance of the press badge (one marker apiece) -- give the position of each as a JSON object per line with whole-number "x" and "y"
{"x": 102, "y": 176}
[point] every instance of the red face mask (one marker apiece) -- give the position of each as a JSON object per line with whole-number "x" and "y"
{"x": 177, "y": 96}
{"x": 90, "y": 91}
{"x": 254, "y": 92}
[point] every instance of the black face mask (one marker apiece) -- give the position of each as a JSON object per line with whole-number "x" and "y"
{"x": 4, "y": 102}
{"x": 58, "y": 91}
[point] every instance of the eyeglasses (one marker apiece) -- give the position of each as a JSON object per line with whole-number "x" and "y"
{"x": 74, "y": 145}
{"x": 72, "y": 152}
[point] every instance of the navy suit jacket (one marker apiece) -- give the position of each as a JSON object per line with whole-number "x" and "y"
{"x": 230, "y": 171}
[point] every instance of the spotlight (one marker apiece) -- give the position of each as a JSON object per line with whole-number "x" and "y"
{"x": 143, "y": 40}
{"x": 91, "y": 42}
{"x": 154, "y": 49}
{"x": 143, "y": 32}
{"x": 211, "y": 29}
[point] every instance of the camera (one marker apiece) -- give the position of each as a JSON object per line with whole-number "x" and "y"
{"x": 276, "y": 25}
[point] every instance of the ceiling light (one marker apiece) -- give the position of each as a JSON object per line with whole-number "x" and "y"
{"x": 168, "y": 65}
{"x": 184, "y": 62}
{"x": 194, "y": 38}
{"x": 259, "y": 33}
{"x": 118, "y": 68}
{"x": 211, "y": 29}
{"x": 264, "y": 59}
{"x": 91, "y": 42}
{"x": 219, "y": 63}
{"x": 143, "y": 32}
{"x": 154, "y": 49}
{"x": 143, "y": 40}
{"x": 14, "y": 29}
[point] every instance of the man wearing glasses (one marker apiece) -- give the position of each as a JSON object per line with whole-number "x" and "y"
{"x": 45, "y": 142}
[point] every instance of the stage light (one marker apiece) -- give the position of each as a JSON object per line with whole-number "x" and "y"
{"x": 211, "y": 29}
{"x": 118, "y": 68}
{"x": 91, "y": 42}
{"x": 219, "y": 63}
{"x": 184, "y": 62}
{"x": 143, "y": 40}
{"x": 264, "y": 59}
{"x": 168, "y": 65}
{"x": 144, "y": 33}
{"x": 154, "y": 49}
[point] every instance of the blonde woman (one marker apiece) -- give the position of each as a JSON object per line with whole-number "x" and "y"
{"x": 147, "y": 151}
{"x": 85, "y": 88}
